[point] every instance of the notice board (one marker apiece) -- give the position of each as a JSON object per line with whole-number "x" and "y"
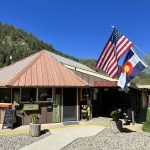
{"x": 31, "y": 107}
{"x": 8, "y": 118}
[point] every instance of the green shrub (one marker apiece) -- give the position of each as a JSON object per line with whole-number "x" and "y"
{"x": 34, "y": 118}
{"x": 115, "y": 115}
{"x": 146, "y": 126}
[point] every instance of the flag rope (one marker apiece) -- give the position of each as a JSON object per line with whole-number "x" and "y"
{"x": 144, "y": 54}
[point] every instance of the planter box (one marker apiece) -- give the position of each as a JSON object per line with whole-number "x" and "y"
{"x": 116, "y": 126}
{"x": 34, "y": 129}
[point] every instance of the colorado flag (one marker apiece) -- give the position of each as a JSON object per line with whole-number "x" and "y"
{"x": 132, "y": 66}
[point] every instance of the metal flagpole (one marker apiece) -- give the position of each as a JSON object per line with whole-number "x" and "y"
{"x": 112, "y": 26}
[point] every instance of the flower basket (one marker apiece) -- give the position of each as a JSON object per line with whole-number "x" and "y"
{"x": 34, "y": 127}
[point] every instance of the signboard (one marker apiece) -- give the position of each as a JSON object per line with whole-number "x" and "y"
{"x": 8, "y": 118}
{"x": 5, "y": 105}
{"x": 31, "y": 107}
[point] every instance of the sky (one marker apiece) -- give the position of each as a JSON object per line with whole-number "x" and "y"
{"x": 80, "y": 28}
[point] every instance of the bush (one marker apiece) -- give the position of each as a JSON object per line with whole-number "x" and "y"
{"x": 146, "y": 126}
{"x": 115, "y": 115}
{"x": 34, "y": 118}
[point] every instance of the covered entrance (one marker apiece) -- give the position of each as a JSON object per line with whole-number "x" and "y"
{"x": 114, "y": 98}
{"x": 69, "y": 104}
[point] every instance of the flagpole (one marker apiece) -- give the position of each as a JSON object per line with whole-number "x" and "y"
{"x": 112, "y": 26}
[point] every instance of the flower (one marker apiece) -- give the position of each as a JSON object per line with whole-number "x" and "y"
{"x": 34, "y": 118}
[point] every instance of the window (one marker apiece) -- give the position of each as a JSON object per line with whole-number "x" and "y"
{"x": 5, "y": 95}
{"x": 16, "y": 95}
{"x": 86, "y": 93}
{"x": 28, "y": 94}
{"x": 45, "y": 94}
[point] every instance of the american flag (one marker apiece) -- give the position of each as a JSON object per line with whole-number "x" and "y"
{"x": 115, "y": 48}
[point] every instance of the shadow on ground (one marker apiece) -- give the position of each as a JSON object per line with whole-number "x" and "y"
{"x": 44, "y": 131}
{"x": 126, "y": 130}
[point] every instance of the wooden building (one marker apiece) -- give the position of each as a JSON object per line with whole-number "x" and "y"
{"x": 55, "y": 88}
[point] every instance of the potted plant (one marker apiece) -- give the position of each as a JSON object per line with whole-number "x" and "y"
{"x": 115, "y": 115}
{"x": 116, "y": 124}
{"x": 34, "y": 126}
{"x": 34, "y": 118}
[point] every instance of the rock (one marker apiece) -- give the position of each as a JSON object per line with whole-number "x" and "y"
{"x": 116, "y": 126}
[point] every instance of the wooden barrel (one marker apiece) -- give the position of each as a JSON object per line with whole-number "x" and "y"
{"x": 34, "y": 129}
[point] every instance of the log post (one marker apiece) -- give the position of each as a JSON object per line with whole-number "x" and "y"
{"x": 34, "y": 129}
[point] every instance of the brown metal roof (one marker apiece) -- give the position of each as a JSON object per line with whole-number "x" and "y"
{"x": 106, "y": 84}
{"x": 40, "y": 69}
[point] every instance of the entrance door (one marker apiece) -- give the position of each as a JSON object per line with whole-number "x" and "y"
{"x": 57, "y": 96}
{"x": 69, "y": 104}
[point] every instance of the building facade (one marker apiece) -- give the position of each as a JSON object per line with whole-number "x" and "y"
{"x": 56, "y": 88}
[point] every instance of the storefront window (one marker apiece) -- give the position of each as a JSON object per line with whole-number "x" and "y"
{"x": 5, "y": 95}
{"x": 86, "y": 93}
{"x": 45, "y": 94}
{"x": 16, "y": 95}
{"x": 28, "y": 94}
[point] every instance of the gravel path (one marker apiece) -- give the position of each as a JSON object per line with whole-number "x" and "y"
{"x": 15, "y": 142}
{"x": 107, "y": 140}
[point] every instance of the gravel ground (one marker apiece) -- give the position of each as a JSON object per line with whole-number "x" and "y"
{"x": 107, "y": 140}
{"x": 15, "y": 142}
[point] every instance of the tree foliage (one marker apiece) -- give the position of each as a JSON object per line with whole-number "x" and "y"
{"x": 19, "y": 44}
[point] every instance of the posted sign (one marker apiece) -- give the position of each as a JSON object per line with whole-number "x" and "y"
{"x": 8, "y": 118}
{"x": 31, "y": 107}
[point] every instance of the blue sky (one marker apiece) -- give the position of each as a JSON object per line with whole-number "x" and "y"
{"x": 80, "y": 27}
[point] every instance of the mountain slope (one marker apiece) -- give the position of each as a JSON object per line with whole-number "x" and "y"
{"x": 19, "y": 44}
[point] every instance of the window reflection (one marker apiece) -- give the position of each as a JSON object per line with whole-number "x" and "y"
{"x": 44, "y": 94}
{"x": 5, "y": 95}
{"x": 28, "y": 94}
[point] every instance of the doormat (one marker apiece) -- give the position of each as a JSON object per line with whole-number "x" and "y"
{"x": 70, "y": 123}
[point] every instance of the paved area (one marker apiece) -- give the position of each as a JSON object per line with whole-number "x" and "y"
{"x": 101, "y": 121}
{"x": 63, "y": 136}
{"x": 25, "y": 128}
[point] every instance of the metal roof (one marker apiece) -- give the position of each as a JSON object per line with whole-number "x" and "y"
{"x": 9, "y": 72}
{"x": 39, "y": 70}
{"x": 106, "y": 84}
{"x": 139, "y": 86}
{"x": 70, "y": 62}
{"x": 78, "y": 66}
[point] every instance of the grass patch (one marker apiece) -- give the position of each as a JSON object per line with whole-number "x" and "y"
{"x": 146, "y": 126}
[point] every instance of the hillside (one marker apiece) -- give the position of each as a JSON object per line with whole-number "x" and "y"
{"x": 91, "y": 63}
{"x": 20, "y": 44}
